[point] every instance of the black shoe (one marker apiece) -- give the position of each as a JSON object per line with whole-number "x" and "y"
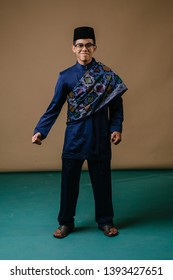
{"x": 108, "y": 230}
{"x": 62, "y": 231}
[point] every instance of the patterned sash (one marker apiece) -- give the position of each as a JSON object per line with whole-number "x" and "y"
{"x": 95, "y": 89}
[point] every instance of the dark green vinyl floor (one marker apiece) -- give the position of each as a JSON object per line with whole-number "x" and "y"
{"x": 143, "y": 203}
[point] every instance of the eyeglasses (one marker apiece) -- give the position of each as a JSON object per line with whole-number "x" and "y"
{"x": 88, "y": 46}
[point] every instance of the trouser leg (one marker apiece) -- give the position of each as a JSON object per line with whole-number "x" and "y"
{"x": 71, "y": 170}
{"x": 100, "y": 174}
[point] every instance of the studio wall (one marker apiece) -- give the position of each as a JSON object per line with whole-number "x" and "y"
{"x": 134, "y": 38}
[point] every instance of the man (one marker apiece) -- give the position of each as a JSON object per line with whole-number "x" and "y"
{"x": 94, "y": 120}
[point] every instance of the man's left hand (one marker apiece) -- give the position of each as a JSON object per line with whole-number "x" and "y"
{"x": 116, "y": 137}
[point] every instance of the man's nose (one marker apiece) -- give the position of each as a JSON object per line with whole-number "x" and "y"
{"x": 84, "y": 47}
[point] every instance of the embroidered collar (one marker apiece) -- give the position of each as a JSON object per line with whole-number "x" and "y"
{"x": 85, "y": 67}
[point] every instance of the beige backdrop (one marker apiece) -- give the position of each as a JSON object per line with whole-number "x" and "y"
{"x": 134, "y": 38}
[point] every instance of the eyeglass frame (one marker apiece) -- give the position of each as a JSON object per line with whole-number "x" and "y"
{"x": 87, "y": 46}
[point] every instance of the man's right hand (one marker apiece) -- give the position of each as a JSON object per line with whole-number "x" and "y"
{"x": 36, "y": 138}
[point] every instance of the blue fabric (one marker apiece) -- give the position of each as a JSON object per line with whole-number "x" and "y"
{"x": 90, "y": 137}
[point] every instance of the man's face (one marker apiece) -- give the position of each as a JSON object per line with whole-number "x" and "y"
{"x": 84, "y": 49}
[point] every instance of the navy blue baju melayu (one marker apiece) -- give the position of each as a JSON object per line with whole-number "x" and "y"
{"x": 85, "y": 139}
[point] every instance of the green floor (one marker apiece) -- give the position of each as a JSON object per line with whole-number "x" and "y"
{"x": 143, "y": 203}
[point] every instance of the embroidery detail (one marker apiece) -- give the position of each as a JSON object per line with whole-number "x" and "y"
{"x": 95, "y": 89}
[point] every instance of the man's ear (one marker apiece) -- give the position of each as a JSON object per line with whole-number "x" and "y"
{"x": 73, "y": 49}
{"x": 95, "y": 48}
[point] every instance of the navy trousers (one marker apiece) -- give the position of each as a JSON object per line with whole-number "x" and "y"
{"x": 100, "y": 175}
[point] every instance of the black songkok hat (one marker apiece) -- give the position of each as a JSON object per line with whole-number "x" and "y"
{"x": 84, "y": 32}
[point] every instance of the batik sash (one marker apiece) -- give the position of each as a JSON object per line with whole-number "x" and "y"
{"x": 95, "y": 89}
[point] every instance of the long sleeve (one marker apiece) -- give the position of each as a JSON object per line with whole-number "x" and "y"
{"x": 49, "y": 117}
{"x": 116, "y": 114}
